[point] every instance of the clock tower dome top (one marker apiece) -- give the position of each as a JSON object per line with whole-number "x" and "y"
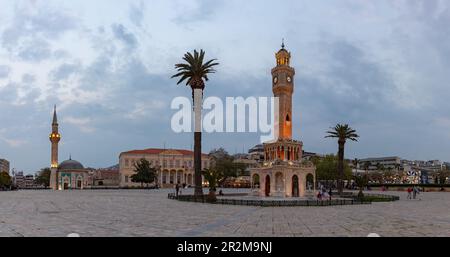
{"x": 283, "y": 56}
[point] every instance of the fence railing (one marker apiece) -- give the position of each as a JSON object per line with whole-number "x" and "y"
{"x": 267, "y": 203}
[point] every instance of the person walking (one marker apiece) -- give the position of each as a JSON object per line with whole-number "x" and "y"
{"x": 414, "y": 191}
{"x": 329, "y": 193}
{"x": 177, "y": 189}
{"x": 409, "y": 193}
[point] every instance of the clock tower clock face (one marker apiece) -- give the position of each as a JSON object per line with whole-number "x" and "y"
{"x": 275, "y": 80}
{"x": 289, "y": 79}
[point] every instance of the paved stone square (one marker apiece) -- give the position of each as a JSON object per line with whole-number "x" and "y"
{"x": 149, "y": 213}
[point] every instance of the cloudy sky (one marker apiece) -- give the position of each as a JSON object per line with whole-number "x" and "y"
{"x": 381, "y": 66}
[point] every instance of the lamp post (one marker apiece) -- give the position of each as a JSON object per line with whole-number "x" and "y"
{"x": 91, "y": 173}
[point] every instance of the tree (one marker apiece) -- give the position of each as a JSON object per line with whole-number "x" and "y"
{"x": 342, "y": 133}
{"x": 195, "y": 72}
{"x": 143, "y": 173}
{"x": 224, "y": 163}
{"x": 361, "y": 181}
{"x": 43, "y": 177}
{"x": 326, "y": 168}
{"x": 5, "y": 180}
{"x": 213, "y": 176}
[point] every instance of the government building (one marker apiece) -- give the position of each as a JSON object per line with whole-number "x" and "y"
{"x": 173, "y": 166}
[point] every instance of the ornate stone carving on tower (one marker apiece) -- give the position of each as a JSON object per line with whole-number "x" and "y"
{"x": 284, "y": 173}
{"x": 55, "y": 137}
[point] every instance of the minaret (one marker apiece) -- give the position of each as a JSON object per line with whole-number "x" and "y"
{"x": 55, "y": 137}
{"x": 283, "y": 88}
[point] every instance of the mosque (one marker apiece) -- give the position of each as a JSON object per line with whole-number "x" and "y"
{"x": 69, "y": 174}
{"x": 283, "y": 173}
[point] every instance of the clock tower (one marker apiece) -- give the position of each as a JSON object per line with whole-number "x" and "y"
{"x": 284, "y": 173}
{"x": 283, "y": 88}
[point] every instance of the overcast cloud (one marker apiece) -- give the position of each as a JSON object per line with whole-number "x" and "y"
{"x": 381, "y": 66}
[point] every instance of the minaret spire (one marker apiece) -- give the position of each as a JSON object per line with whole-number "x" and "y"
{"x": 282, "y": 43}
{"x": 55, "y": 118}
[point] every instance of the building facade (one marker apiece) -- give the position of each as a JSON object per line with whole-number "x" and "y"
{"x": 30, "y": 182}
{"x": 284, "y": 173}
{"x": 256, "y": 153}
{"x": 386, "y": 163}
{"x": 105, "y": 178}
{"x": 4, "y": 166}
{"x": 19, "y": 179}
{"x": 173, "y": 166}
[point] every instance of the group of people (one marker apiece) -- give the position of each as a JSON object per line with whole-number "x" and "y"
{"x": 413, "y": 192}
{"x": 323, "y": 194}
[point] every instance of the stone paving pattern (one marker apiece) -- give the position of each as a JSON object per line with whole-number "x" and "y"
{"x": 149, "y": 213}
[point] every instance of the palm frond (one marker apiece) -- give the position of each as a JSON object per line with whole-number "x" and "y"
{"x": 195, "y": 70}
{"x": 343, "y": 132}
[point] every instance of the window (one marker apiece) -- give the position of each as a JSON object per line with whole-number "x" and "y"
{"x": 126, "y": 179}
{"x": 177, "y": 163}
{"x": 164, "y": 163}
{"x": 127, "y": 163}
{"x": 171, "y": 163}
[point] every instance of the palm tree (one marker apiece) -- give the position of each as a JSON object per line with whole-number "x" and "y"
{"x": 195, "y": 72}
{"x": 342, "y": 133}
{"x": 361, "y": 181}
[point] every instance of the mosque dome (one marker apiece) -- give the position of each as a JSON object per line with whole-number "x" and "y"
{"x": 71, "y": 165}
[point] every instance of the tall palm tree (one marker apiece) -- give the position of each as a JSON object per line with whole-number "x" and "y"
{"x": 342, "y": 133}
{"x": 195, "y": 72}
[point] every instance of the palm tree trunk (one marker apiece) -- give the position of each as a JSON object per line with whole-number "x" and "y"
{"x": 340, "y": 166}
{"x": 198, "y": 95}
{"x": 198, "y": 163}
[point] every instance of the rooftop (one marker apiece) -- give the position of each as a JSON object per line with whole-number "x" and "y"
{"x": 163, "y": 152}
